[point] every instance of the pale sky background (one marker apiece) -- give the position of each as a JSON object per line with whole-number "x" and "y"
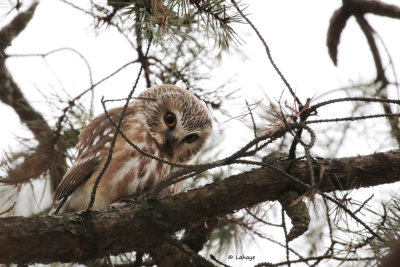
{"x": 295, "y": 31}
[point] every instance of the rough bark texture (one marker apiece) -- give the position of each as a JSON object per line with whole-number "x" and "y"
{"x": 83, "y": 236}
{"x": 10, "y": 93}
{"x": 49, "y": 155}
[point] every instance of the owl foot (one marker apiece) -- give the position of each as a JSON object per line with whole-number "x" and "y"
{"x": 122, "y": 201}
{"x": 117, "y": 205}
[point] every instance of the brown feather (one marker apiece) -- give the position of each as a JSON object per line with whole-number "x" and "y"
{"x": 129, "y": 172}
{"x": 77, "y": 174}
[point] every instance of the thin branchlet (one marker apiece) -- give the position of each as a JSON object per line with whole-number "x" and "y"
{"x": 374, "y": 234}
{"x": 353, "y": 99}
{"x": 283, "y": 78}
{"x": 113, "y": 141}
{"x": 353, "y": 118}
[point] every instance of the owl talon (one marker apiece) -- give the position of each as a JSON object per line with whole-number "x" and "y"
{"x": 117, "y": 205}
{"x": 123, "y": 201}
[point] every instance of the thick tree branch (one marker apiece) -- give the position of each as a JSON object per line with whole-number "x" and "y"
{"x": 49, "y": 154}
{"x": 16, "y": 26}
{"x": 375, "y": 7}
{"x": 172, "y": 252}
{"x": 10, "y": 93}
{"x": 195, "y": 237}
{"x": 84, "y": 236}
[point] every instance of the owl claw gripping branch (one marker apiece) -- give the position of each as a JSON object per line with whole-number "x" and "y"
{"x": 165, "y": 121}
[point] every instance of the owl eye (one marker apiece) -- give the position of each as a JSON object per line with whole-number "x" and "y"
{"x": 190, "y": 138}
{"x": 170, "y": 119}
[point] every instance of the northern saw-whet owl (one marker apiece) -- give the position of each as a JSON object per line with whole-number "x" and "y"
{"x": 165, "y": 121}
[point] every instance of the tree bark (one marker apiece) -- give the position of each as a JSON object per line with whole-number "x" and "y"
{"x": 49, "y": 154}
{"x": 87, "y": 235}
{"x": 10, "y": 93}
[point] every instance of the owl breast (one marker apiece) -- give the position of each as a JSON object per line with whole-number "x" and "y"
{"x": 129, "y": 172}
{"x": 132, "y": 171}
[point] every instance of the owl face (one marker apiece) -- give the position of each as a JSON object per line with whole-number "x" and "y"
{"x": 177, "y": 120}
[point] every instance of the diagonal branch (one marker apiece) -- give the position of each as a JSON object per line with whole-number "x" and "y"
{"x": 46, "y": 156}
{"x": 16, "y": 26}
{"x": 369, "y": 34}
{"x": 380, "y": 74}
{"x": 10, "y": 93}
{"x": 336, "y": 25}
{"x": 358, "y": 9}
{"x": 87, "y": 235}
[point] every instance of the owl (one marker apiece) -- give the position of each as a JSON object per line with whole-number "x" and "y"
{"x": 165, "y": 121}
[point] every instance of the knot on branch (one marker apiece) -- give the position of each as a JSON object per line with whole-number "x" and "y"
{"x": 291, "y": 201}
{"x": 297, "y": 211}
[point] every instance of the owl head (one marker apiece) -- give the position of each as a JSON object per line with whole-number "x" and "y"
{"x": 177, "y": 120}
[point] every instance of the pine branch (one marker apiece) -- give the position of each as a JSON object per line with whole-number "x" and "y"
{"x": 178, "y": 18}
{"x": 16, "y": 26}
{"x": 49, "y": 154}
{"x": 87, "y": 235}
{"x": 172, "y": 252}
{"x": 10, "y": 93}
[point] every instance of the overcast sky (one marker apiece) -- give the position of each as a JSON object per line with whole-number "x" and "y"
{"x": 295, "y": 31}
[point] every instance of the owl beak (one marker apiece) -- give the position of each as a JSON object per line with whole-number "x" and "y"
{"x": 170, "y": 140}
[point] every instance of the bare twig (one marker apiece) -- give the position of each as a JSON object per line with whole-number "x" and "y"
{"x": 268, "y": 54}
{"x": 354, "y": 118}
{"x": 286, "y": 236}
{"x": 110, "y": 152}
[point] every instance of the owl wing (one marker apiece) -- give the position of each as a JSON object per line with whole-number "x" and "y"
{"x": 99, "y": 132}
{"x": 77, "y": 174}
{"x": 93, "y": 139}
